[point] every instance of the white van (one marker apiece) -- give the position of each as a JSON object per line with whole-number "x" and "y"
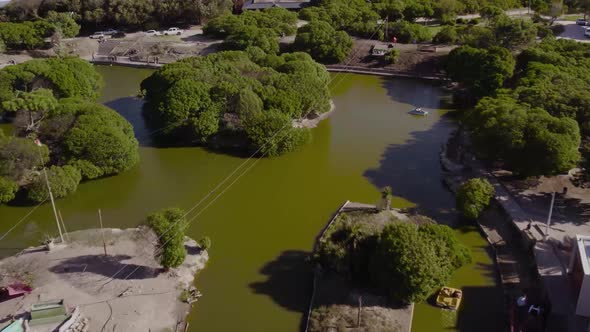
{"x": 587, "y": 32}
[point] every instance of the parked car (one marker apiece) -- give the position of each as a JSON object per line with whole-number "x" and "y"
{"x": 98, "y": 35}
{"x": 587, "y": 32}
{"x": 581, "y": 21}
{"x": 153, "y": 33}
{"x": 172, "y": 31}
{"x": 110, "y": 32}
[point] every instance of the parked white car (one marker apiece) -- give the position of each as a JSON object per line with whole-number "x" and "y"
{"x": 153, "y": 33}
{"x": 98, "y": 35}
{"x": 172, "y": 31}
{"x": 110, "y": 32}
{"x": 587, "y": 32}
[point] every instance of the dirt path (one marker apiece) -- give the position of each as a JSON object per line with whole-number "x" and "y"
{"x": 126, "y": 290}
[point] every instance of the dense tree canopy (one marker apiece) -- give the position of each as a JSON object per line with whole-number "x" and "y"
{"x": 529, "y": 140}
{"x": 411, "y": 261}
{"x": 121, "y": 13}
{"x": 8, "y": 189}
{"x": 64, "y": 22}
{"x": 279, "y": 20}
{"x": 67, "y": 77}
{"x": 52, "y": 100}
{"x": 482, "y": 71}
{"x": 474, "y": 196}
{"x": 322, "y": 42}
{"x": 238, "y": 93}
{"x": 63, "y": 181}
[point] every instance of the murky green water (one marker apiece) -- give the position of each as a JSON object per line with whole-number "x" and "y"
{"x": 263, "y": 226}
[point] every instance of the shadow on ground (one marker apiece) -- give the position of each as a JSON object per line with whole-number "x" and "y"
{"x": 107, "y": 266}
{"x": 288, "y": 280}
{"x": 480, "y": 309}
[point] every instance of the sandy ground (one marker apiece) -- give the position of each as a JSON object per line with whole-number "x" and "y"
{"x": 141, "y": 297}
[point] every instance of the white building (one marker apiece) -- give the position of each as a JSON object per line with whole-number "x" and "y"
{"x": 580, "y": 274}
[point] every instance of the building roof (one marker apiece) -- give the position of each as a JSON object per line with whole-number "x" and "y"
{"x": 584, "y": 251}
{"x": 263, "y": 4}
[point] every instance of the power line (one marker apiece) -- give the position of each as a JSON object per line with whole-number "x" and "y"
{"x": 22, "y": 219}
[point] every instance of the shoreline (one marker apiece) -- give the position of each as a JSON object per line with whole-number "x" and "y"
{"x": 104, "y": 291}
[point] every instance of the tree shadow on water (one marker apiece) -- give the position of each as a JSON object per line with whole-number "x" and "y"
{"x": 288, "y": 280}
{"x": 131, "y": 108}
{"x": 415, "y": 92}
{"x": 413, "y": 171}
{"x": 481, "y": 309}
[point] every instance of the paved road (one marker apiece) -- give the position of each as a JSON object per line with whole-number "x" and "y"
{"x": 573, "y": 31}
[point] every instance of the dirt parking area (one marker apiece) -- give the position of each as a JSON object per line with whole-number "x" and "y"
{"x": 123, "y": 291}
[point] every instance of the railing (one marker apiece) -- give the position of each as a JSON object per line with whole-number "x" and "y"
{"x": 386, "y": 72}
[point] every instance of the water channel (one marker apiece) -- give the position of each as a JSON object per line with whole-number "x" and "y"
{"x": 263, "y": 226}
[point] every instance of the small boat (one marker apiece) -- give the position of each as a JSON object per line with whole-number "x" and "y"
{"x": 418, "y": 111}
{"x": 449, "y": 298}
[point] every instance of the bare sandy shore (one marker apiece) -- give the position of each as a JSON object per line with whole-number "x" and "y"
{"x": 124, "y": 291}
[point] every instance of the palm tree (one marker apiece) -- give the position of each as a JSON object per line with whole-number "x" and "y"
{"x": 386, "y": 198}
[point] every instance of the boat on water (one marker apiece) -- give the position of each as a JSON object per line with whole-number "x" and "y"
{"x": 449, "y": 298}
{"x": 418, "y": 111}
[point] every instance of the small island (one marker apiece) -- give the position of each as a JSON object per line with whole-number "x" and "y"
{"x": 373, "y": 263}
{"x": 133, "y": 281}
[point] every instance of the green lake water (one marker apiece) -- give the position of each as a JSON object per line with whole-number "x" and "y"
{"x": 263, "y": 226}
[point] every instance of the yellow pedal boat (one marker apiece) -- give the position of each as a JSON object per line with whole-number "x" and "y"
{"x": 449, "y": 298}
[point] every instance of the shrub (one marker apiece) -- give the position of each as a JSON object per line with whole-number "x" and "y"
{"x": 461, "y": 20}
{"x": 392, "y": 55}
{"x": 557, "y": 29}
{"x": 204, "y": 243}
{"x": 446, "y": 35}
{"x": 170, "y": 225}
{"x": 63, "y": 180}
{"x": 473, "y": 197}
{"x": 473, "y": 21}
{"x": 407, "y": 32}
{"x": 8, "y": 189}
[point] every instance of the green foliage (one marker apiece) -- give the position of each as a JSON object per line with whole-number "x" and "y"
{"x": 482, "y": 71}
{"x": 322, "y": 42}
{"x": 272, "y": 133}
{"x": 136, "y": 13}
{"x": 474, "y": 196}
{"x": 514, "y": 33}
{"x": 65, "y": 77}
{"x": 353, "y": 16}
{"x": 252, "y": 36}
{"x": 64, "y": 22}
{"x": 446, "y": 35}
{"x": 204, "y": 243}
{"x": 19, "y": 156}
{"x": 101, "y": 138}
{"x": 170, "y": 226}
{"x": 197, "y": 99}
{"x": 407, "y": 32}
{"x": 26, "y": 35}
{"x": 8, "y": 189}
{"x": 40, "y": 100}
{"x": 63, "y": 180}
{"x": 273, "y": 22}
{"x": 392, "y": 56}
{"x": 529, "y": 140}
{"x": 411, "y": 261}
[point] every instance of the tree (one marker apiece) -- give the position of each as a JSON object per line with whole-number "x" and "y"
{"x": 35, "y": 105}
{"x": 385, "y": 203}
{"x": 64, "y": 22}
{"x": 19, "y": 156}
{"x": 100, "y": 137}
{"x": 204, "y": 243}
{"x": 322, "y": 42}
{"x": 63, "y": 180}
{"x": 474, "y": 196}
{"x": 8, "y": 189}
{"x": 514, "y": 33}
{"x": 410, "y": 262}
{"x": 446, "y": 35}
{"x": 407, "y": 32}
{"x": 170, "y": 226}
{"x": 251, "y": 36}
{"x": 482, "y": 71}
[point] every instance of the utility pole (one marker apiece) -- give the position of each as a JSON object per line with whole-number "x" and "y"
{"x": 61, "y": 236}
{"x": 549, "y": 217}
{"x": 104, "y": 244}
{"x": 63, "y": 224}
{"x": 386, "y": 25}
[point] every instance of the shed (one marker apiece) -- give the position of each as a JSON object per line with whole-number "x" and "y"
{"x": 580, "y": 270}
